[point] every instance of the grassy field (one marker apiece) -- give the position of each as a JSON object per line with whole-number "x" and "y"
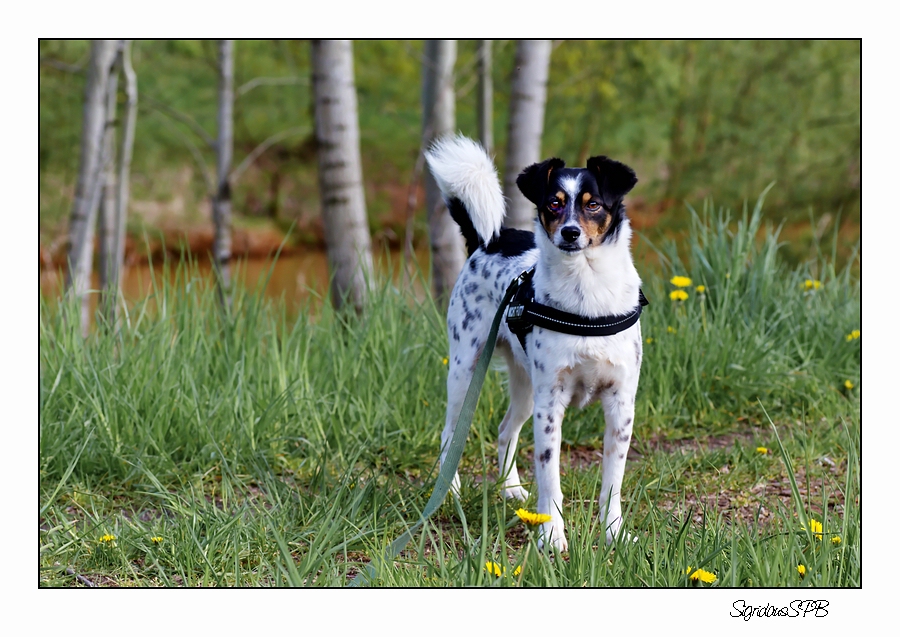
{"x": 272, "y": 449}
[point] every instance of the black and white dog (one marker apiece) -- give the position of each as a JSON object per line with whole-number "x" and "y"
{"x": 580, "y": 252}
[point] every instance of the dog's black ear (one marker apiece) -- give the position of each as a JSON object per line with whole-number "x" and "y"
{"x": 614, "y": 179}
{"x": 534, "y": 179}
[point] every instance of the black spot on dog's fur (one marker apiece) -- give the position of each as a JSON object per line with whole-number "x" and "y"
{"x": 511, "y": 243}
{"x": 460, "y": 215}
{"x": 548, "y": 429}
{"x": 454, "y": 333}
{"x": 545, "y": 457}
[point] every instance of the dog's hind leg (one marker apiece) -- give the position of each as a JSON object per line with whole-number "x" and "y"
{"x": 521, "y": 404}
{"x": 463, "y": 358}
{"x": 458, "y": 380}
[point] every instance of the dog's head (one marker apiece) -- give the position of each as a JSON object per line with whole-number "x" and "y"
{"x": 578, "y": 207}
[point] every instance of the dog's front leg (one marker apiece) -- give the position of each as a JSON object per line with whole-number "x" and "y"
{"x": 549, "y": 408}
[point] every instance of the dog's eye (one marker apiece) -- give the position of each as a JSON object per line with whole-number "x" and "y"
{"x": 554, "y": 204}
{"x": 592, "y": 206}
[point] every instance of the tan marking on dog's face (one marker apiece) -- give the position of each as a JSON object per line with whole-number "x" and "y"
{"x": 594, "y": 226}
{"x": 594, "y": 223}
{"x": 551, "y": 219}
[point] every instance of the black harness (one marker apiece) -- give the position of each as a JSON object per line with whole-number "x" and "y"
{"x": 524, "y": 313}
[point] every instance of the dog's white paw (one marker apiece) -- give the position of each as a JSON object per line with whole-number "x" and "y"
{"x": 515, "y": 492}
{"x": 627, "y": 538}
{"x": 454, "y": 486}
{"x": 554, "y": 536}
{"x": 614, "y": 529}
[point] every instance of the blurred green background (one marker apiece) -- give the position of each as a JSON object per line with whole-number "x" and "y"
{"x": 696, "y": 119}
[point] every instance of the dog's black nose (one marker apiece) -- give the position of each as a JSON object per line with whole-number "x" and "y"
{"x": 570, "y": 233}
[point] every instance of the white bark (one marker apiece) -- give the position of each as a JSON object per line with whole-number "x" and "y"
{"x": 222, "y": 196}
{"x": 347, "y": 236}
{"x": 89, "y": 186}
{"x": 526, "y": 125}
{"x": 124, "y": 178}
{"x": 485, "y": 96}
{"x": 106, "y": 220}
{"x": 439, "y": 119}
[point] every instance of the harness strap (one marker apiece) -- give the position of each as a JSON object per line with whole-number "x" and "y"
{"x": 524, "y": 313}
{"x": 457, "y": 442}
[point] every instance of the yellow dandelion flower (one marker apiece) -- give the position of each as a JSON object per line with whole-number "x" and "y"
{"x": 700, "y": 289}
{"x": 445, "y": 360}
{"x": 494, "y": 569}
{"x": 816, "y": 527}
{"x": 762, "y": 450}
{"x": 836, "y": 540}
{"x": 701, "y": 575}
{"x": 848, "y": 384}
{"x": 107, "y": 539}
{"x": 156, "y": 539}
{"x": 649, "y": 340}
{"x": 801, "y": 569}
{"x": 533, "y": 518}
{"x": 680, "y": 281}
{"x": 811, "y": 284}
{"x": 678, "y": 295}
{"x": 517, "y": 572}
{"x": 852, "y": 335}
{"x": 671, "y": 330}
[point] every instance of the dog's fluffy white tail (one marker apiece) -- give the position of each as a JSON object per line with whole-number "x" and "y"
{"x": 463, "y": 171}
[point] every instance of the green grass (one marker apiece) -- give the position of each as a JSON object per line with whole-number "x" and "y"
{"x": 274, "y": 449}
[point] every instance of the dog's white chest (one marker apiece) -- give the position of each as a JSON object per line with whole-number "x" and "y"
{"x": 586, "y": 367}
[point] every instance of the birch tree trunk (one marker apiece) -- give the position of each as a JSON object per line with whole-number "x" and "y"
{"x": 124, "y": 177}
{"x": 222, "y": 196}
{"x": 526, "y": 125}
{"x": 106, "y": 220}
{"x": 89, "y": 185}
{"x": 485, "y": 104}
{"x": 347, "y": 236}
{"x": 439, "y": 119}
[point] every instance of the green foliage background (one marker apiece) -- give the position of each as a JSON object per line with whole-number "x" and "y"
{"x": 695, "y": 118}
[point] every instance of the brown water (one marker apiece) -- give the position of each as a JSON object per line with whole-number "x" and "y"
{"x": 300, "y": 278}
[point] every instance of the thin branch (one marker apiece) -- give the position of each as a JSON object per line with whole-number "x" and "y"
{"x": 263, "y": 147}
{"x": 269, "y": 81}
{"x": 64, "y": 66}
{"x": 471, "y": 74}
{"x": 197, "y": 155}
{"x": 181, "y": 117}
{"x": 411, "y": 202}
